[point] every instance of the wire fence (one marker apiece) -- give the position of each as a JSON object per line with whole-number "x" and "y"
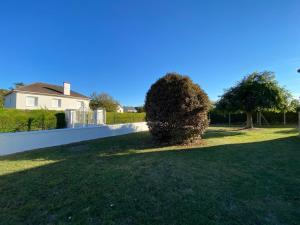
{"x": 263, "y": 119}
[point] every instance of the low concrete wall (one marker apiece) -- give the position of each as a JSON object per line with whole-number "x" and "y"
{"x": 23, "y": 141}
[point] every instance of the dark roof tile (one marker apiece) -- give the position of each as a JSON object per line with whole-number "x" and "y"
{"x": 44, "y": 88}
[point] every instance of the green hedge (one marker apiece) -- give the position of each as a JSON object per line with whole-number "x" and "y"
{"x": 115, "y": 118}
{"x": 12, "y": 120}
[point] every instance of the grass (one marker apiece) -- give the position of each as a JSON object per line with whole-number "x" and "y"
{"x": 236, "y": 177}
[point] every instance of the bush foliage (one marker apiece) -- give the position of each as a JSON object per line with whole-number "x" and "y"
{"x": 12, "y": 120}
{"x": 176, "y": 109}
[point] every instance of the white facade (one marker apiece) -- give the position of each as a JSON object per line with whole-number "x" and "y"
{"x": 31, "y": 101}
{"x": 120, "y": 109}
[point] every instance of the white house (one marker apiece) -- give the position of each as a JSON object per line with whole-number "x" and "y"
{"x": 129, "y": 109}
{"x": 46, "y": 96}
{"x": 120, "y": 109}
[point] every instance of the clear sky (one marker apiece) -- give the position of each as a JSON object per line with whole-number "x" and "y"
{"x": 122, "y": 47}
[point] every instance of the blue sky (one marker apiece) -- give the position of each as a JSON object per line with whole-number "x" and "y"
{"x": 122, "y": 47}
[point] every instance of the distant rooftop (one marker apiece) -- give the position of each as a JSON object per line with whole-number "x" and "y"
{"x": 44, "y": 88}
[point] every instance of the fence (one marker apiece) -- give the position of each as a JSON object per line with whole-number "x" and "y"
{"x": 266, "y": 118}
{"x": 85, "y": 118}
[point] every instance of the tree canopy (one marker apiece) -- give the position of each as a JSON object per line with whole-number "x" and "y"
{"x": 2, "y": 94}
{"x": 103, "y": 100}
{"x": 294, "y": 105}
{"x": 17, "y": 85}
{"x": 256, "y": 92}
{"x": 140, "y": 109}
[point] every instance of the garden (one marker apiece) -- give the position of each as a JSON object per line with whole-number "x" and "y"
{"x": 235, "y": 177}
{"x": 182, "y": 171}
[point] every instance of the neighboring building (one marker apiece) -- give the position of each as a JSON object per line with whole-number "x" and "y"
{"x": 46, "y": 96}
{"x": 120, "y": 109}
{"x": 129, "y": 109}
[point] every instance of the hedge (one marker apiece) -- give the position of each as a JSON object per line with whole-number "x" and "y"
{"x": 13, "y": 120}
{"x": 115, "y": 118}
{"x": 272, "y": 118}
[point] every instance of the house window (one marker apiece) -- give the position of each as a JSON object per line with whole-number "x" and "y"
{"x": 31, "y": 101}
{"x": 80, "y": 104}
{"x": 56, "y": 103}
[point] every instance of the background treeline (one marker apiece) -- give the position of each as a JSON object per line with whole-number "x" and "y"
{"x": 12, "y": 120}
{"x": 268, "y": 118}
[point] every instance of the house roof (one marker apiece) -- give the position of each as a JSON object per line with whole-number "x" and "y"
{"x": 131, "y": 108}
{"x": 44, "y": 88}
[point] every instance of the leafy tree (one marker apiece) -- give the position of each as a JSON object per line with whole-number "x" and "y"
{"x": 176, "y": 109}
{"x": 256, "y": 92}
{"x": 2, "y": 94}
{"x": 294, "y": 105}
{"x": 140, "y": 109}
{"x": 288, "y": 105}
{"x": 17, "y": 85}
{"x": 103, "y": 100}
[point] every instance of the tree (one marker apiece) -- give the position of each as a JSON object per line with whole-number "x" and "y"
{"x": 176, "y": 109}
{"x": 256, "y": 92}
{"x": 294, "y": 105}
{"x": 103, "y": 100}
{"x": 3, "y": 92}
{"x": 140, "y": 109}
{"x": 17, "y": 85}
{"x": 287, "y": 105}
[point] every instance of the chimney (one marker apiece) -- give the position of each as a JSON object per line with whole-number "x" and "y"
{"x": 67, "y": 88}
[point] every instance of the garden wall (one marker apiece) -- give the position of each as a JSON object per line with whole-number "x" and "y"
{"x": 23, "y": 141}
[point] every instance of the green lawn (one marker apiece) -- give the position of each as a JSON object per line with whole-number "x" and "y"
{"x": 235, "y": 177}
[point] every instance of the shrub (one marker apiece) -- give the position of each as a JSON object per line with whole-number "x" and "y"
{"x": 12, "y": 120}
{"x": 176, "y": 109}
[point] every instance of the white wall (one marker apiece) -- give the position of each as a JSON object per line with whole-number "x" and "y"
{"x": 44, "y": 101}
{"x": 22, "y": 141}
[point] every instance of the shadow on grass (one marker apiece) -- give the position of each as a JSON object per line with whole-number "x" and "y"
{"x": 123, "y": 143}
{"x": 219, "y": 133}
{"x": 287, "y": 131}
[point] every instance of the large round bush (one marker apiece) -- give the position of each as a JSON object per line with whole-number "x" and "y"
{"x": 176, "y": 109}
